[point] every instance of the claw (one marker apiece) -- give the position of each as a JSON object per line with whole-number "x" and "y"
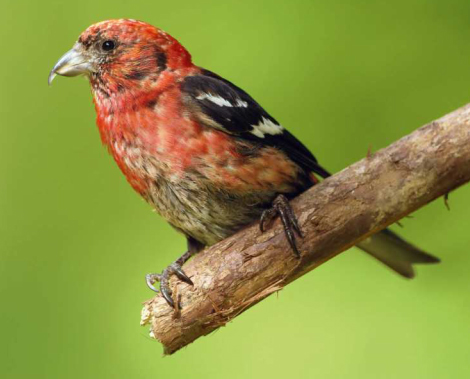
{"x": 181, "y": 274}
{"x": 282, "y": 208}
{"x": 164, "y": 278}
{"x": 151, "y": 279}
{"x": 167, "y": 292}
{"x": 446, "y": 201}
{"x": 266, "y": 217}
{"x": 292, "y": 219}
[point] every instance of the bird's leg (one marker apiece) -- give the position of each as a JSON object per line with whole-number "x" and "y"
{"x": 174, "y": 269}
{"x": 282, "y": 208}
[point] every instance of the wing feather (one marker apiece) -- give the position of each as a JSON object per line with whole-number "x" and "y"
{"x": 230, "y": 109}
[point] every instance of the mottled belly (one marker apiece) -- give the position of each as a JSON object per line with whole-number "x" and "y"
{"x": 208, "y": 192}
{"x": 206, "y": 215}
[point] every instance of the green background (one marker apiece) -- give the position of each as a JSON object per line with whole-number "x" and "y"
{"x": 75, "y": 241}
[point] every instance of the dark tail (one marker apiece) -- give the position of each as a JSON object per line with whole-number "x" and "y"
{"x": 395, "y": 252}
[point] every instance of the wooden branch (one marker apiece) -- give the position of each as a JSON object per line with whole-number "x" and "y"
{"x": 336, "y": 214}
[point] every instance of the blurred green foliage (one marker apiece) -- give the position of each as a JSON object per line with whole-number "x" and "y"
{"x": 75, "y": 241}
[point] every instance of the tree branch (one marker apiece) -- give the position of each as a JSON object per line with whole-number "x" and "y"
{"x": 336, "y": 214}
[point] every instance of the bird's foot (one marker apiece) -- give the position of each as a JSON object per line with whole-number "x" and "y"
{"x": 164, "y": 277}
{"x": 282, "y": 208}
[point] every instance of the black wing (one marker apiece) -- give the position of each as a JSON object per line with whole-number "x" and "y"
{"x": 232, "y": 110}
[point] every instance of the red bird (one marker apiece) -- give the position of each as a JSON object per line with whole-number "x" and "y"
{"x": 198, "y": 148}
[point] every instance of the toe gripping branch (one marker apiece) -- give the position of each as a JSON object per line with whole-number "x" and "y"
{"x": 164, "y": 277}
{"x": 281, "y": 207}
{"x": 174, "y": 269}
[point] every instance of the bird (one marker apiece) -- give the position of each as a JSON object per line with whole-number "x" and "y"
{"x": 199, "y": 149}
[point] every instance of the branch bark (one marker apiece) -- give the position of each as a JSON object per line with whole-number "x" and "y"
{"x": 336, "y": 214}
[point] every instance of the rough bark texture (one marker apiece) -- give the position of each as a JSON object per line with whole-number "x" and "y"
{"x": 336, "y": 214}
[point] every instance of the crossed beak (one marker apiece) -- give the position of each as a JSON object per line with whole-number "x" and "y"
{"x": 72, "y": 63}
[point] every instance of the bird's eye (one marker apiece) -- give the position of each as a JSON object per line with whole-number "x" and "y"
{"x": 108, "y": 45}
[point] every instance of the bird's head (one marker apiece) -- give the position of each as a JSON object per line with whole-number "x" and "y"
{"x": 116, "y": 54}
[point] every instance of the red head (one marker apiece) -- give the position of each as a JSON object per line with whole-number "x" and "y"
{"x": 118, "y": 54}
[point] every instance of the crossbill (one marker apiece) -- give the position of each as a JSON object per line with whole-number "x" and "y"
{"x": 198, "y": 148}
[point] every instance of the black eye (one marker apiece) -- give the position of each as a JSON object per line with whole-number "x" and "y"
{"x": 108, "y": 45}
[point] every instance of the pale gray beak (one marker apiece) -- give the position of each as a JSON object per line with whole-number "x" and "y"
{"x": 72, "y": 63}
